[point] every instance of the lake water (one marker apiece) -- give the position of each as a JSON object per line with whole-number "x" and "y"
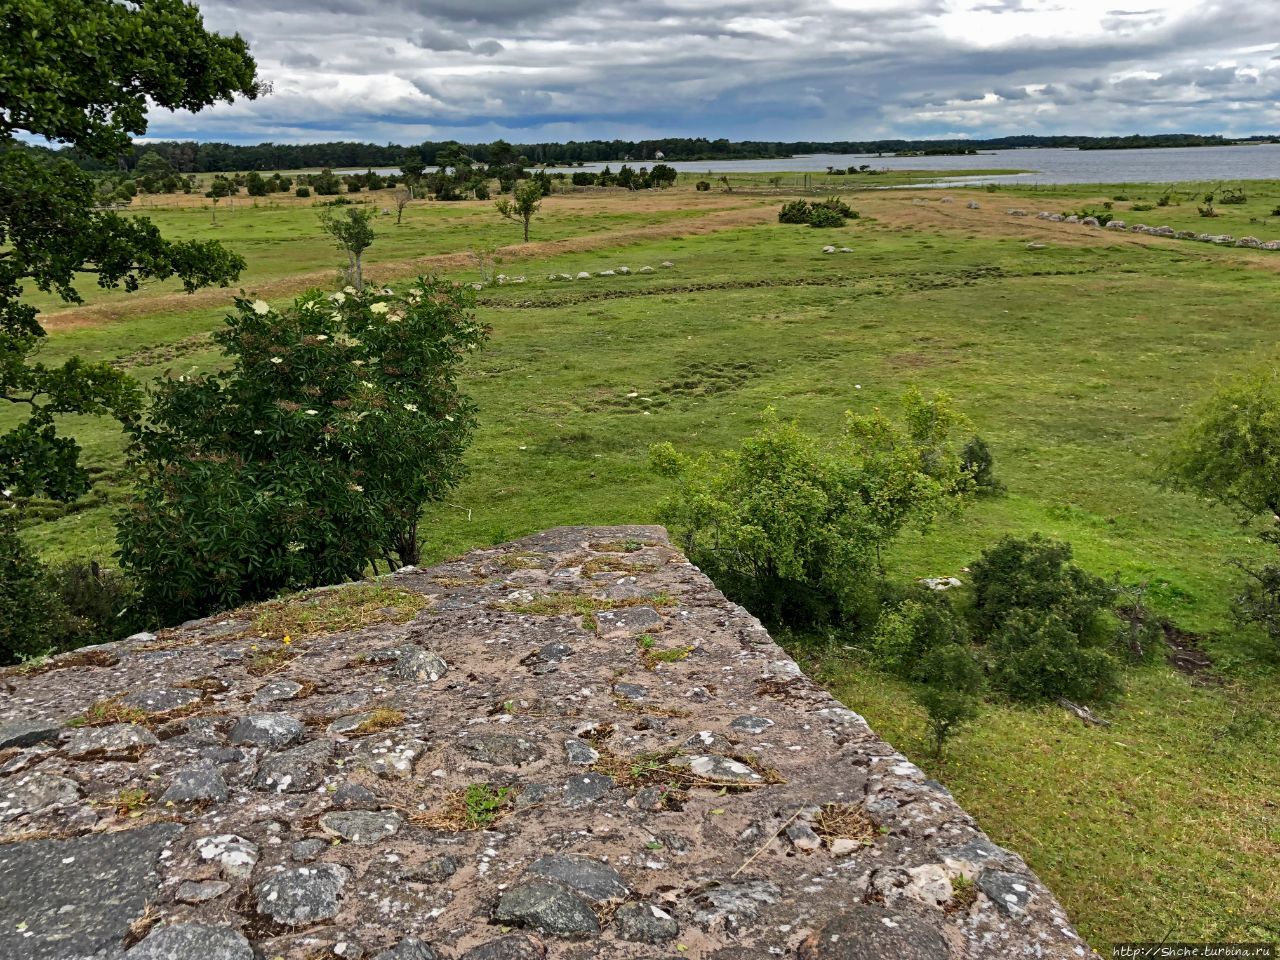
{"x": 1051, "y": 165}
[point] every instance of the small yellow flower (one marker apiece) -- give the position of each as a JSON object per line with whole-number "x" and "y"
{"x": 287, "y": 640}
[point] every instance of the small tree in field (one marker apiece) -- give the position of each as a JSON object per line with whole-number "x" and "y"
{"x": 403, "y": 195}
{"x": 352, "y": 231}
{"x": 950, "y": 695}
{"x": 310, "y": 456}
{"x": 522, "y": 206}
{"x": 1230, "y": 452}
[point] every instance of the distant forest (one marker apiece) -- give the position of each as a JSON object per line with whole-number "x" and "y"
{"x": 192, "y": 157}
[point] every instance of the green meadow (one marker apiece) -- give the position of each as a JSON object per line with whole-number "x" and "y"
{"x": 1075, "y": 362}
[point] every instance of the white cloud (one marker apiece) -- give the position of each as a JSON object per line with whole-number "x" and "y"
{"x": 532, "y": 70}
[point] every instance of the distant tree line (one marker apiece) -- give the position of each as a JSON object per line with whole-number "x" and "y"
{"x": 191, "y": 157}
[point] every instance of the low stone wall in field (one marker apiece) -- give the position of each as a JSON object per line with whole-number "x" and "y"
{"x": 571, "y": 746}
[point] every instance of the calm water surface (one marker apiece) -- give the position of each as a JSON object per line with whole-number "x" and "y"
{"x": 1171, "y": 165}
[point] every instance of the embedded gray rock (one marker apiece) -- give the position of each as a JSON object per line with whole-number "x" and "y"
{"x": 361, "y": 826}
{"x": 305, "y": 851}
{"x": 35, "y": 791}
{"x": 119, "y": 741}
{"x": 585, "y": 789}
{"x": 160, "y": 699}
{"x": 235, "y": 855}
{"x": 516, "y": 946}
{"x": 192, "y": 941}
{"x": 418, "y": 664}
{"x": 717, "y": 769}
{"x": 355, "y": 796}
{"x": 580, "y": 753}
{"x": 645, "y": 923}
{"x": 589, "y": 877}
{"x": 733, "y": 906}
{"x": 196, "y": 785}
{"x": 630, "y": 691}
{"x": 302, "y": 895}
{"x": 76, "y": 898}
{"x": 193, "y": 892}
{"x": 390, "y": 757}
{"x": 548, "y": 907}
{"x": 628, "y": 622}
{"x": 1008, "y": 891}
{"x": 407, "y": 950}
{"x": 299, "y": 770}
{"x": 28, "y": 733}
{"x": 751, "y": 724}
{"x": 501, "y": 749}
{"x": 435, "y": 870}
{"x": 269, "y": 730}
{"x": 867, "y": 932}
{"x": 276, "y": 691}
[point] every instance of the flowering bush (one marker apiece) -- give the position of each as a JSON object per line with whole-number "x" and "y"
{"x": 310, "y": 457}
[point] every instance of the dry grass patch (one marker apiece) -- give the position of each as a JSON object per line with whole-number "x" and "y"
{"x": 335, "y": 610}
{"x": 380, "y": 718}
{"x": 106, "y": 712}
{"x": 654, "y": 768}
{"x": 479, "y": 806}
{"x": 844, "y": 821}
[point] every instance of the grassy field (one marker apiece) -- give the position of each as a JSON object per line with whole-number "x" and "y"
{"x": 1075, "y": 362}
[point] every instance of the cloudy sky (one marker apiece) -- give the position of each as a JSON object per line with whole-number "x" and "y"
{"x": 404, "y": 71}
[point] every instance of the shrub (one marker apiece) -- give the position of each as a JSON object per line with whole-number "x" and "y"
{"x": 950, "y": 695}
{"x": 795, "y": 211}
{"x": 1230, "y": 451}
{"x": 310, "y": 456}
{"x": 1275, "y": 212}
{"x": 824, "y": 217}
{"x": 977, "y": 461}
{"x": 702, "y": 186}
{"x": 98, "y": 606}
{"x": 839, "y": 206}
{"x": 481, "y": 190}
{"x": 1039, "y": 655}
{"x": 302, "y": 192}
{"x": 906, "y": 635}
{"x": 1232, "y": 195}
{"x": 1036, "y": 576}
{"x": 792, "y": 525}
{"x": 1142, "y": 207}
{"x": 28, "y": 608}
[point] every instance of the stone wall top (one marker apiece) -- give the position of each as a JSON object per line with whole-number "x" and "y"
{"x": 571, "y": 746}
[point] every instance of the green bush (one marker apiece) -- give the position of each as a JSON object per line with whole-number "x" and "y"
{"x": 907, "y": 634}
{"x": 824, "y": 217}
{"x": 98, "y": 606}
{"x": 703, "y": 186}
{"x": 950, "y": 695}
{"x": 1038, "y": 655}
{"x": 28, "y": 608}
{"x": 978, "y": 462}
{"x": 794, "y": 211}
{"x": 1142, "y": 207}
{"x": 1232, "y": 195}
{"x": 839, "y": 206}
{"x": 792, "y": 525}
{"x": 1034, "y": 575}
{"x": 309, "y": 456}
{"x": 302, "y": 192}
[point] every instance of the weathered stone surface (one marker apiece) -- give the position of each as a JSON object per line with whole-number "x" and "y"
{"x": 119, "y": 741}
{"x": 645, "y": 923}
{"x": 613, "y": 624}
{"x": 408, "y": 950}
{"x": 196, "y": 785}
{"x": 548, "y": 907}
{"x": 62, "y": 899}
{"x": 35, "y": 791}
{"x": 160, "y": 699}
{"x": 630, "y": 788}
{"x": 235, "y": 855}
{"x": 361, "y": 826}
{"x": 867, "y": 932}
{"x": 192, "y": 892}
{"x": 28, "y": 733}
{"x": 299, "y": 770}
{"x": 420, "y": 665}
{"x": 269, "y": 730}
{"x": 192, "y": 941}
{"x": 501, "y": 749}
{"x": 302, "y": 895}
{"x": 591, "y": 878}
{"x": 516, "y": 946}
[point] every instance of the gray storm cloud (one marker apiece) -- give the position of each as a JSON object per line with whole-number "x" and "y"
{"x": 530, "y": 70}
